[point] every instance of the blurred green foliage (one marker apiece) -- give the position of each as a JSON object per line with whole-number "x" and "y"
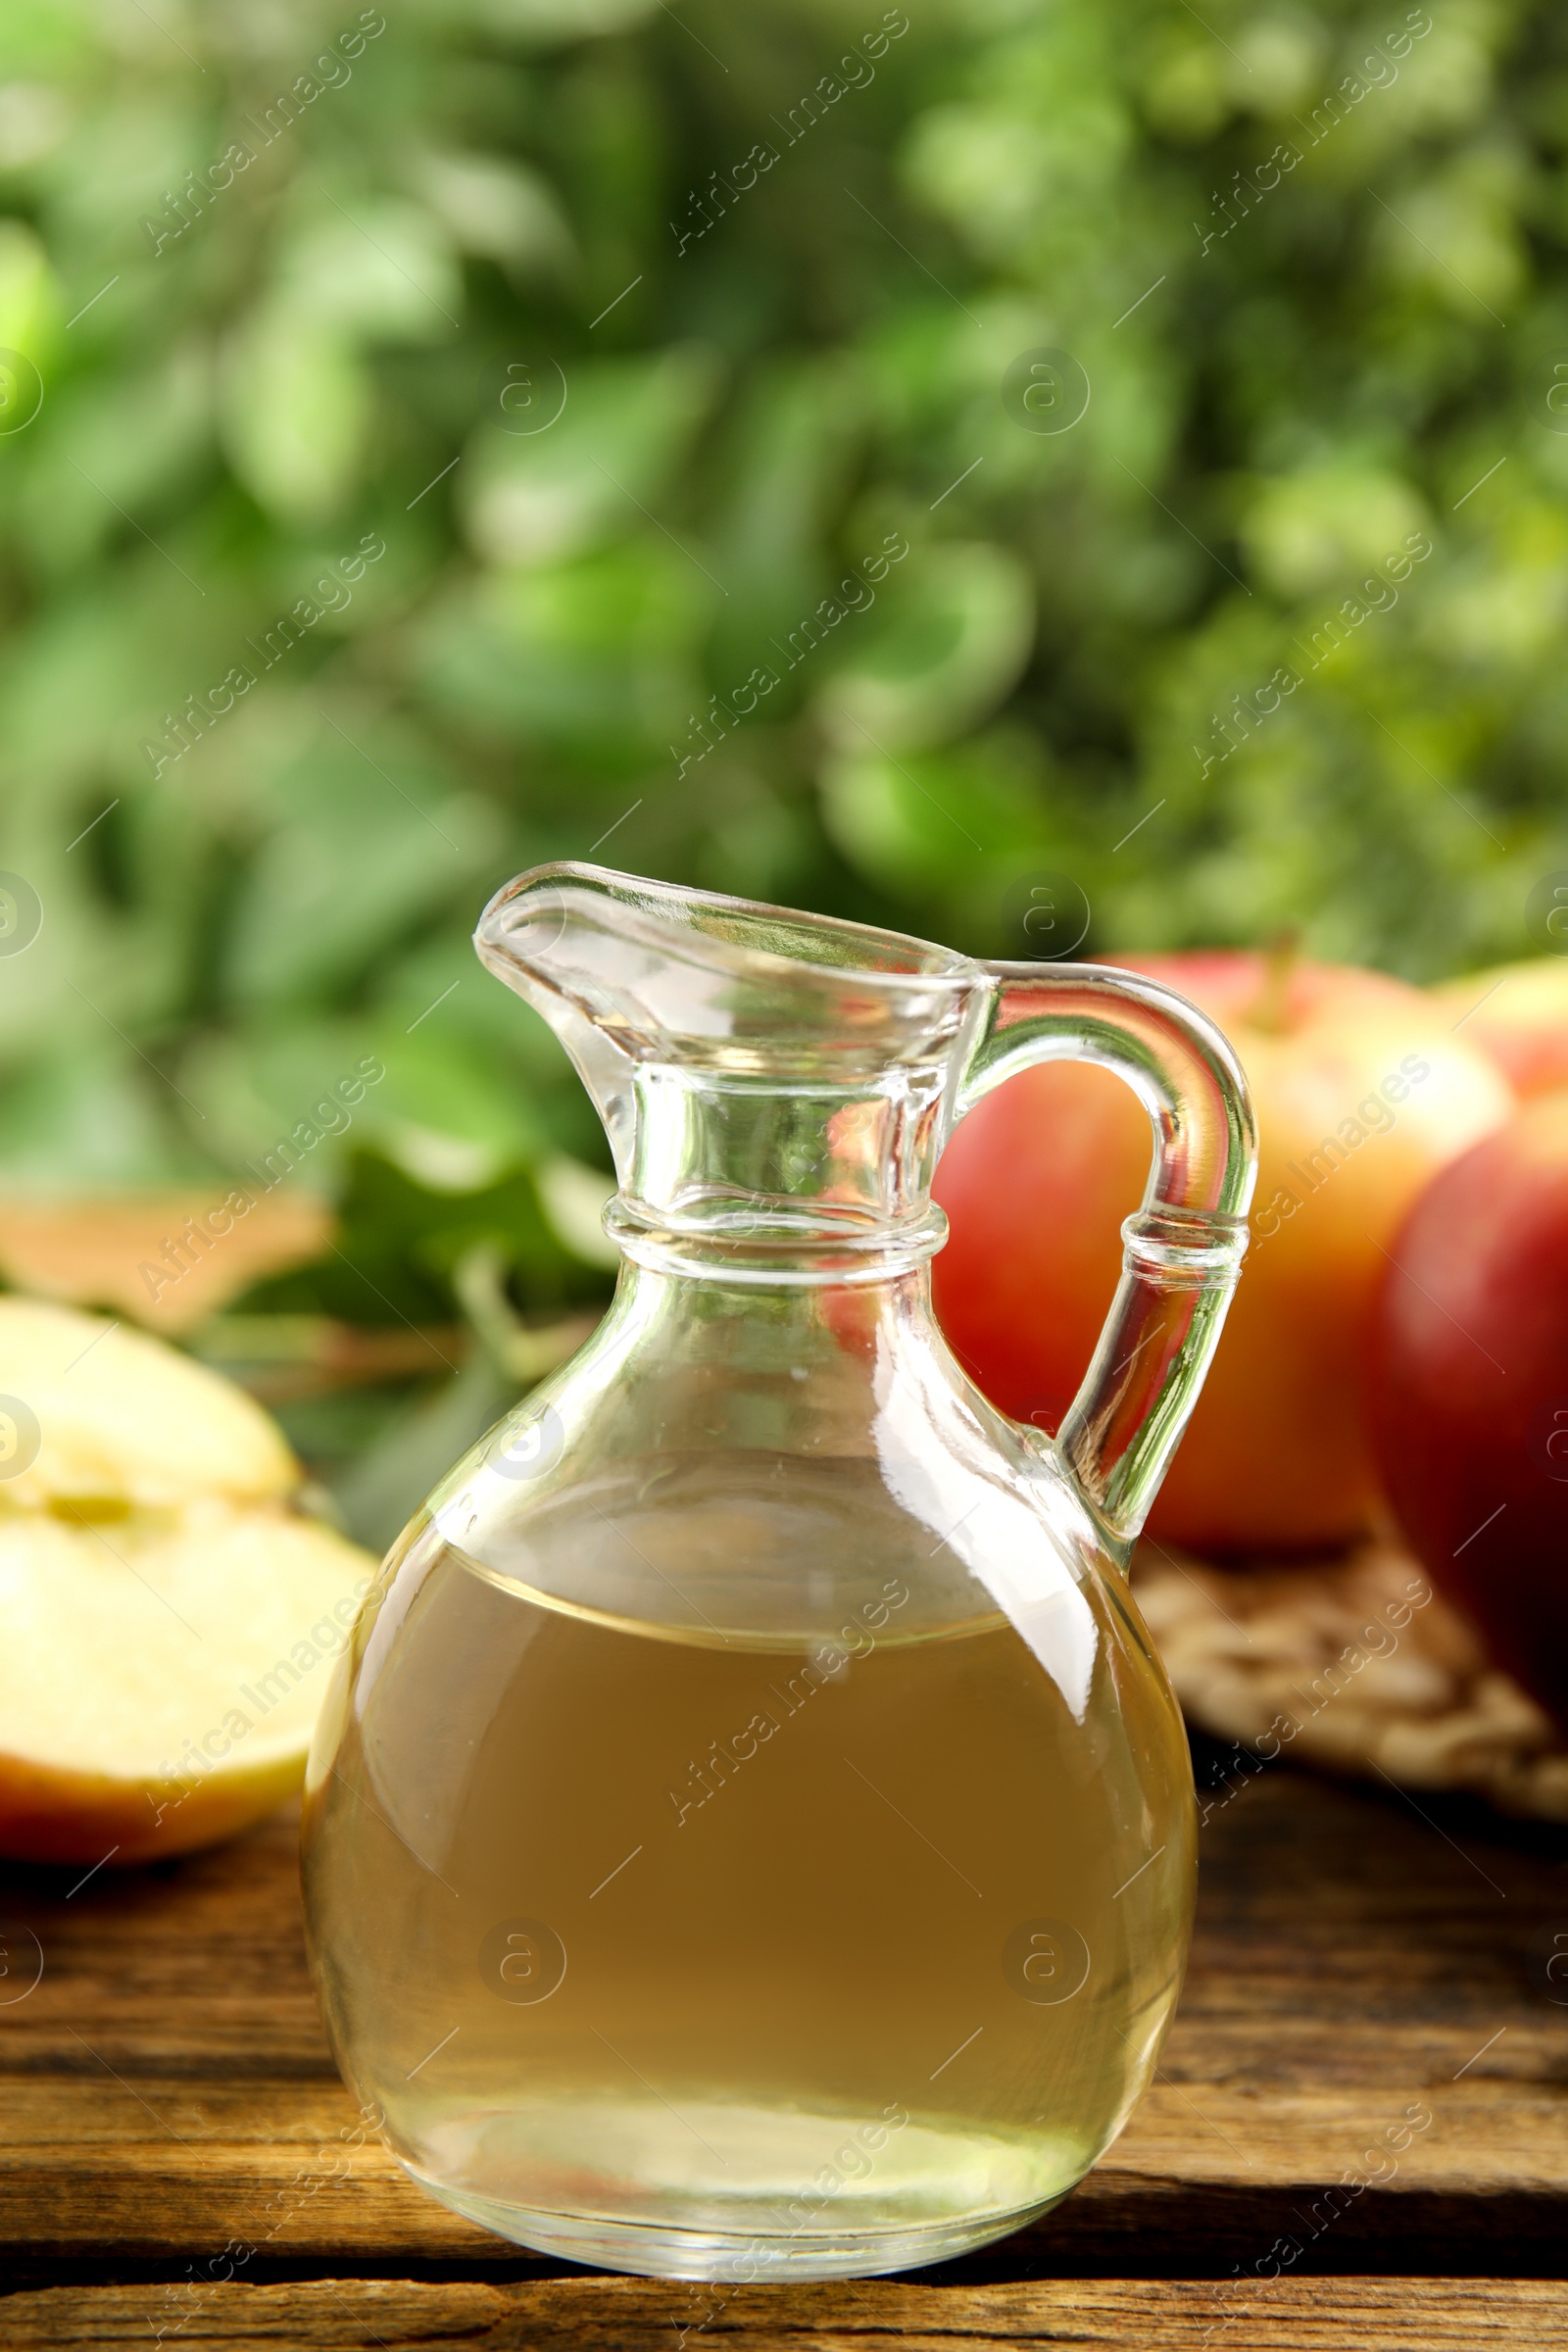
{"x": 630, "y": 333}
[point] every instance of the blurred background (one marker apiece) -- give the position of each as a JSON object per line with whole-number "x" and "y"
{"x": 1130, "y": 444}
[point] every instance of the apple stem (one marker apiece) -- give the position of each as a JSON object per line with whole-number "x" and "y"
{"x": 1281, "y": 954}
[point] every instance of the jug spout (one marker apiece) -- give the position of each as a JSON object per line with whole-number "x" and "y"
{"x": 545, "y": 935}
{"x": 718, "y": 1037}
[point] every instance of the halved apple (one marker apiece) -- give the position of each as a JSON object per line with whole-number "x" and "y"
{"x": 168, "y": 1616}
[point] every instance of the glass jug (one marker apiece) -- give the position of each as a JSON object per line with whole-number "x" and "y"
{"x": 749, "y": 1833}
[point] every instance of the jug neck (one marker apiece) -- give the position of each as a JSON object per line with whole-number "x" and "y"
{"x": 771, "y": 1083}
{"x": 751, "y": 1179}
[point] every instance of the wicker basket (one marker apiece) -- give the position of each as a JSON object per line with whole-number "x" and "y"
{"x": 1357, "y": 1665}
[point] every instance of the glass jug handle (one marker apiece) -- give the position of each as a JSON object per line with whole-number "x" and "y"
{"x": 1182, "y": 1251}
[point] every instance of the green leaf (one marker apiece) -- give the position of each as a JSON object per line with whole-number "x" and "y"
{"x": 92, "y": 1122}
{"x": 295, "y": 411}
{"x": 536, "y": 496}
{"x": 1307, "y": 531}
{"x": 368, "y": 841}
{"x": 944, "y": 827}
{"x": 598, "y": 656}
{"x": 375, "y": 269}
{"x": 945, "y": 642}
{"x": 427, "y": 1102}
{"x": 544, "y": 20}
{"x": 30, "y": 315}
{"x": 400, "y": 1242}
{"x": 493, "y": 205}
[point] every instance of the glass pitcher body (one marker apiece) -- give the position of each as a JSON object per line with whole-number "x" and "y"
{"x": 749, "y": 1833}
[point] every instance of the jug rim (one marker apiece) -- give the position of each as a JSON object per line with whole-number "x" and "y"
{"x": 666, "y": 906}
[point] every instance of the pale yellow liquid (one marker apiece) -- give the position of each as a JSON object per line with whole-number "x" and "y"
{"x": 886, "y": 1988}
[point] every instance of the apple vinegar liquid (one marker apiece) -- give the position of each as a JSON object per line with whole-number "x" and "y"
{"x": 830, "y": 1951}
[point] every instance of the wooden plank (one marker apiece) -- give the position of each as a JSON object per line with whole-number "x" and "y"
{"x": 1361, "y": 2315}
{"x": 167, "y": 2086}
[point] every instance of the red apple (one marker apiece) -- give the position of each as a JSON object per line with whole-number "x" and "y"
{"x": 1362, "y": 1092}
{"x": 1469, "y": 1390}
{"x": 1518, "y": 1014}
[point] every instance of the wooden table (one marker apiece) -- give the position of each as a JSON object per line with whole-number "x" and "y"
{"x": 168, "y": 2092}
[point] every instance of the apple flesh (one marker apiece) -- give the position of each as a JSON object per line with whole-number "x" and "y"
{"x": 160, "y": 1681}
{"x": 167, "y": 1617}
{"x": 1469, "y": 1392}
{"x": 1362, "y": 1093}
{"x": 1518, "y": 1014}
